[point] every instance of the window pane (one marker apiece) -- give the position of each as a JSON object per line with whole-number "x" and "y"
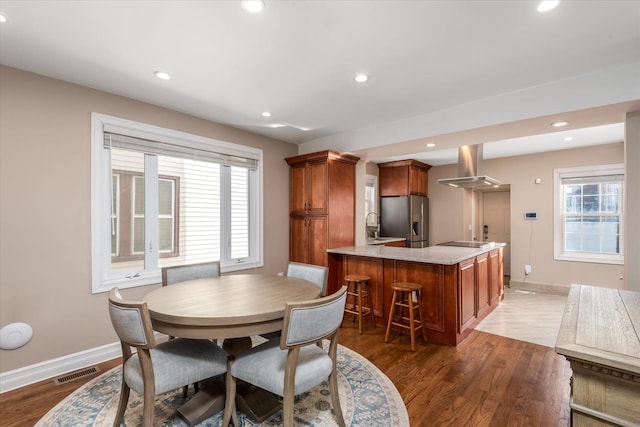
{"x": 165, "y": 197}
{"x": 590, "y": 204}
{"x": 127, "y": 165}
{"x": 138, "y": 216}
{"x": 198, "y": 211}
{"x": 609, "y": 203}
{"x": 239, "y": 212}
{"x": 166, "y": 234}
{"x": 138, "y": 236}
{"x": 115, "y": 203}
{"x": 166, "y": 215}
{"x": 591, "y": 217}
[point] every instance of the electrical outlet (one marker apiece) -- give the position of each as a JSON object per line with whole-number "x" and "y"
{"x": 527, "y": 269}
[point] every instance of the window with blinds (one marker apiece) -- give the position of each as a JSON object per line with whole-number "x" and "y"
{"x": 589, "y": 214}
{"x": 170, "y": 199}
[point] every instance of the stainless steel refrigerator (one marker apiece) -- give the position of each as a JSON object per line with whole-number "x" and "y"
{"x": 405, "y": 216}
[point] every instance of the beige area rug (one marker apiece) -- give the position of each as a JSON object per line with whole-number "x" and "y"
{"x": 527, "y": 316}
{"x": 367, "y": 396}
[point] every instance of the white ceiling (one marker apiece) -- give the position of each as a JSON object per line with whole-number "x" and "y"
{"x": 434, "y": 65}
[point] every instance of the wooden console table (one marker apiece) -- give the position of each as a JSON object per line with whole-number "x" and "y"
{"x": 600, "y": 337}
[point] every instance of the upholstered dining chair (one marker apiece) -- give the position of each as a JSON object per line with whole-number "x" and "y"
{"x": 314, "y": 273}
{"x": 293, "y": 364}
{"x": 181, "y": 273}
{"x": 157, "y": 368}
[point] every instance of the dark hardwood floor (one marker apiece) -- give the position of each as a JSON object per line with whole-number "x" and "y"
{"x": 486, "y": 381}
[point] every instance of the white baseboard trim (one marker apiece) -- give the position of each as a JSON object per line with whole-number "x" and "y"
{"x": 21, "y": 377}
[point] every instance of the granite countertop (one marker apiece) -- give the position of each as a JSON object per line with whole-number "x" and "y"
{"x": 446, "y": 255}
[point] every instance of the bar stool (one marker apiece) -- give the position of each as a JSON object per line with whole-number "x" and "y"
{"x": 358, "y": 291}
{"x": 403, "y": 293}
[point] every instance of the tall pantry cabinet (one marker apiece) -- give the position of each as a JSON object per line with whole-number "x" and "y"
{"x": 321, "y": 205}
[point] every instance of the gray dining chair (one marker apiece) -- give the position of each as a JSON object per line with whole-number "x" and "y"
{"x": 182, "y": 273}
{"x": 293, "y": 364}
{"x": 313, "y": 273}
{"x": 157, "y": 368}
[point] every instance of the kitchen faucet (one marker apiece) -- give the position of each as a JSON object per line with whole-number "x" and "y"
{"x": 372, "y": 230}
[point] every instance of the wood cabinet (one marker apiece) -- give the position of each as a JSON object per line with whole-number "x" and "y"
{"x": 403, "y": 178}
{"x": 496, "y": 276}
{"x": 321, "y": 204}
{"x": 475, "y": 282}
{"x": 455, "y": 297}
{"x": 483, "y": 280}
{"x": 466, "y": 294}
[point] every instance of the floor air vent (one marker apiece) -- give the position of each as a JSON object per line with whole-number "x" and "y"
{"x": 76, "y": 374}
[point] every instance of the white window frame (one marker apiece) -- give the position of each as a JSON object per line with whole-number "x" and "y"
{"x": 371, "y": 181}
{"x": 103, "y": 279}
{"x": 558, "y": 223}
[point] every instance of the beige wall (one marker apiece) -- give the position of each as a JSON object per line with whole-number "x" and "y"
{"x": 45, "y": 241}
{"x": 531, "y": 241}
{"x": 632, "y": 201}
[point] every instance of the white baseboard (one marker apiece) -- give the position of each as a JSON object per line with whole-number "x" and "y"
{"x": 21, "y": 377}
{"x": 51, "y": 368}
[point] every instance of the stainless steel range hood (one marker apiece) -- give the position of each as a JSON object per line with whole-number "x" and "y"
{"x": 470, "y": 170}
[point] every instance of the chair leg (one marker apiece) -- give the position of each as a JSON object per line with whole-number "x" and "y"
{"x": 392, "y": 311}
{"x": 335, "y": 398}
{"x": 412, "y": 322}
{"x": 122, "y": 405}
{"x": 148, "y": 406}
{"x": 373, "y": 318}
{"x": 359, "y": 287}
{"x": 288, "y": 401}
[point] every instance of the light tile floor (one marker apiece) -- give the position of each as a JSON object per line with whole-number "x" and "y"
{"x": 526, "y": 316}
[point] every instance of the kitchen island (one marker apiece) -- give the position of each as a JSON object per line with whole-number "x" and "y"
{"x": 460, "y": 286}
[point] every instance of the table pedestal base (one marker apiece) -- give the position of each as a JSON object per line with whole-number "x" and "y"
{"x": 206, "y": 402}
{"x": 255, "y": 402}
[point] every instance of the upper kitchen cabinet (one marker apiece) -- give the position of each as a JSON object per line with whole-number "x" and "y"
{"x": 403, "y": 178}
{"x": 322, "y": 204}
{"x": 308, "y": 186}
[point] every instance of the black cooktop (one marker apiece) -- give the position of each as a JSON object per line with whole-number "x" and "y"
{"x": 467, "y": 244}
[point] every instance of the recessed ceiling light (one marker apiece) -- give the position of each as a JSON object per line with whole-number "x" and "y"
{"x": 361, "y": 78}
{"x": 568, "y": 138}
{"x": 547, "y": 5}
{"x": 3, "y": 18}
{"x": 266, "y": 114}
{"x": 559, "y": 124}
{"x": 162, "y": 75}
{"x": 431, "y": 145}
{"x": 252, "y": 6}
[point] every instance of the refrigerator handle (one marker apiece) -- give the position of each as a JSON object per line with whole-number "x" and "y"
{"x": 415, "y": 228}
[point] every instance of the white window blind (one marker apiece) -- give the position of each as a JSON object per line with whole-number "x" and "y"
{"x": 171, "y": 200}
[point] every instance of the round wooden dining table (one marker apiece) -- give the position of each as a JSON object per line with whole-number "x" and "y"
{"x": 232, "y": 306}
